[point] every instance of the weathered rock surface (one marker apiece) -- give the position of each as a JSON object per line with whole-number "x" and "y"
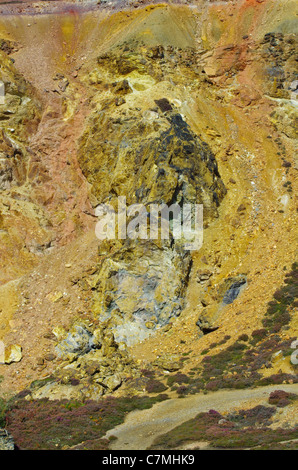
{"x": 6, "y": 440}
{"x": 157, "y": 104}
{"x": 154, "y": 157}
{"x": 19, "y": 117}
{"x": 13, "y": 353}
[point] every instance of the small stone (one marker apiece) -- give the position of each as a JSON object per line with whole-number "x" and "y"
{"x": 49, "y": 335}
{"x": 168, "y": 327}
{"x": 59, "y": 332}
{"x": 54, "y": 296}
{"x": 294, "y": 85}
{"x": 169, "y": 362}
{"x": 50, "y": 357}
{"x": 13, "y": 353}
{"x": 2, "y": 352}
{"x": 241, "y": 208}
{"x": 113, "y": 382}
{"x": 277, "y": 356}
{"x": 203, "y": 276}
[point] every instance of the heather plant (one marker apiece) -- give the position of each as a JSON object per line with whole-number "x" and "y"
{"x": 3, "y": 408}
{"x": 284, "y": 299}
{"x": 258, "y": 416}
{"x": 178, "y": 378}
{"x": 182, "y": 390}
{"x": 242, "y": 430}
{"x": 53, "y": 424}
{"x": 238, "y": 366}
{"x": 155, "y": 386}
{"x": 280, "y": 398}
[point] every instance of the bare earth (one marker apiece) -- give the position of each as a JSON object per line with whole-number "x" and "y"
{"x": 141, "y": 428}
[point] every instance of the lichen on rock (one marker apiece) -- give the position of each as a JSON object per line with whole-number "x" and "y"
{"x": 148, "y": 154}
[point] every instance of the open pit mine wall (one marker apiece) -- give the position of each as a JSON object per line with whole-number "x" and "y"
{"x": 124, "y": 102}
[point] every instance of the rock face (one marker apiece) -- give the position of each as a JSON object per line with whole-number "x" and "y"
{"x": 6, "y": 440}
{"x": 151, "y": 151}
{"x": 147, "y": 153}
{"x": 153, "y": 157}
{"x": 236, "y": 285}
{"x": 134, "y": 295}
{"x": 20, "y": 211}
{"x": 155, "y": 104}
{"x": 92, "y": 364}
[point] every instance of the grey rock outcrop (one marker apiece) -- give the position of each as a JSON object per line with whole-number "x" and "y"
{"x": 6, "y": 440}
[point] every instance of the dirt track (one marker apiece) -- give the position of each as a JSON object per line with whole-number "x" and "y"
{"x": 141, "y": 428}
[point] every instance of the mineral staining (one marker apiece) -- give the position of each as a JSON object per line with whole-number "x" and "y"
{"x": 160, "y": 104}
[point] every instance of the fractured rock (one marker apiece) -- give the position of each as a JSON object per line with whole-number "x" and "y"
{"x": 6, "y": 440}
{"x": 13, "y": 353}
{"x": 77, "y": 342}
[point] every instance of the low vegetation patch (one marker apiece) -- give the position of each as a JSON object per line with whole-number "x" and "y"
{"x": 242, "y": 430}
{"x": 239, "y": 365}
{"x": 284, "y": 299}
{"x": 155, "y": 386}
{"x": 56, "y": 424}
{"x": 281, "y": 398}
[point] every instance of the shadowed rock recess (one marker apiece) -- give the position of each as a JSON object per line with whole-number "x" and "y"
{"x": 178, "y": 103}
